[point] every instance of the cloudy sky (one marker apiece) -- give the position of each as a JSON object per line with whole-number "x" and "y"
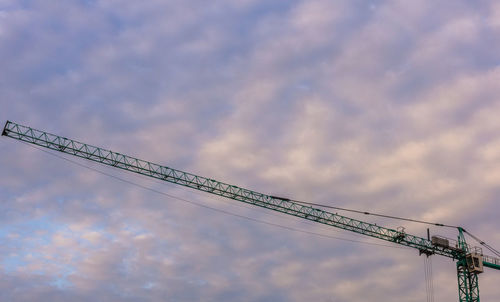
{"x": 385, "y": 106}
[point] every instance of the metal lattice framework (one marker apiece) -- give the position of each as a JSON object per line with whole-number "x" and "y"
{"x": 132, "y": 164}
{"x": 468, "y": 286}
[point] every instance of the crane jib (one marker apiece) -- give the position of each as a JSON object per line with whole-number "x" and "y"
{"x": 279, "y": 204}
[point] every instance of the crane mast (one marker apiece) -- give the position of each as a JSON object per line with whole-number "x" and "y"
{"x": 463, "y": 253}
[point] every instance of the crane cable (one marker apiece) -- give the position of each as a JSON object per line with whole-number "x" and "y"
{"x": 368, "y": 213}
{"x": 481, "y": 242}
{"x": 496, "y": 252}
{"x": 489, "y": 247}
{"x": 429, "y": 282}
{"x": 212, "y": 208}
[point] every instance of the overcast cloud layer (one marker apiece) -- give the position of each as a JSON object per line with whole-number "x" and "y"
{"x": 385, "y": 106}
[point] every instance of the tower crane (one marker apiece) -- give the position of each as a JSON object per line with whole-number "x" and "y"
{"x": 470, "y": 261}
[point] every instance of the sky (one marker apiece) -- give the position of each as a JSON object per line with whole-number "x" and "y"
{"x": 382, "y": 106}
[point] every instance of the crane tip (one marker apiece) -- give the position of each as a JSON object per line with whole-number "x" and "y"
{"x": 4, "y": 131}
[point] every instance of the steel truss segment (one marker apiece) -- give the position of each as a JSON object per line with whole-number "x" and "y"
{"x": 468, "y": 286}
{"x": 193, "y": 181}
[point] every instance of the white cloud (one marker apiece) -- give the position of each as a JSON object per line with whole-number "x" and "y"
{"x": 389, "y": 107}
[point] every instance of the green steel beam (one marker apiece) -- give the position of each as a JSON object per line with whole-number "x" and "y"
{"x": 128, "y": 163}
{"x": 495, "y": 264}
{"x": 468, "y": 287}
{"x": 121, "y": 161}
